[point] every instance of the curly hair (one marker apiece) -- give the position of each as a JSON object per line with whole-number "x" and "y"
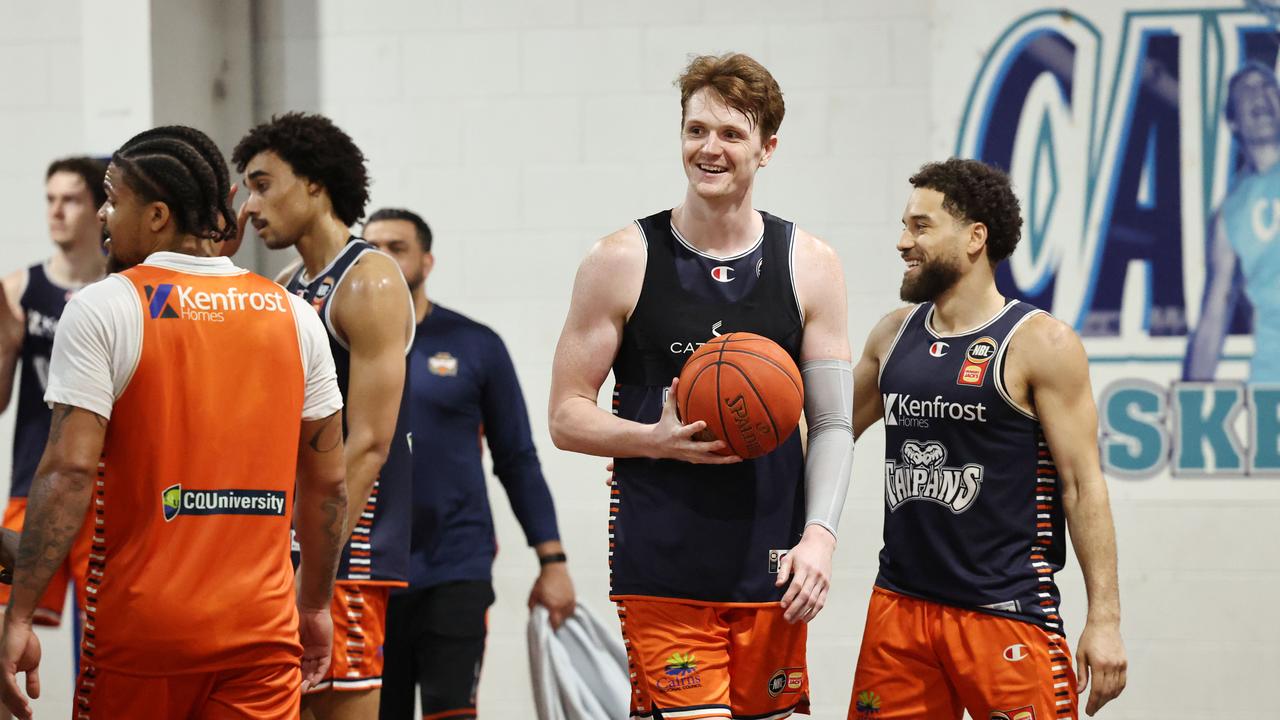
{"x": 181, "y": 167}
{"x": 744, "y": 84}
{"x": 974, "y": 191}
{"x": 91, "y": 171}
{"x": 317, "y": 150}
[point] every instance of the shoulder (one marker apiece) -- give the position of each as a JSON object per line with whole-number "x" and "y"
{"x": 887, "y": 327}
{"x": 106, "y": 293}
{"x": 619, "y": 250}
{"x": 15, "y": 283}
{"x": 1046, "y": 347}
{"x": 373, "y": 277}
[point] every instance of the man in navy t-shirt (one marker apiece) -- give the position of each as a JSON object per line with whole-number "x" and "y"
{"x": 462, "y": 389}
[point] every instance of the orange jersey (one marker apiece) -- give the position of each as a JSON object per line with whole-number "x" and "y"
{"x": 190, "y": 568}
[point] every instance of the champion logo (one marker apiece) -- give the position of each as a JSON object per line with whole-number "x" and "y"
{"x": 938, "y": 349}
{"x": 722, "y": 273}
{"x": 1017, "y": 652}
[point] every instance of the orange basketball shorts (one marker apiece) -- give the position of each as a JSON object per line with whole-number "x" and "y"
{"x": 73, "y": 570}
{"x": 359, "y": 630}
{"x": 692, "y": 661}
{"x": 921, "y": 659}
{"x": 268, "y": 692}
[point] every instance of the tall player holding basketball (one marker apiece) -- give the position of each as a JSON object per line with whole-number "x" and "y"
{"x": 991, "y": 441}
{"x": 712, "y": 628}
{"x": 307, "y": 185}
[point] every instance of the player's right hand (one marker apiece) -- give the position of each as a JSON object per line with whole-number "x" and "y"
{"x": 674, "y": 440}
{"x": 315, "y": 630}
{"x": 11, "y": 328}
{"x": 19, "y": 653}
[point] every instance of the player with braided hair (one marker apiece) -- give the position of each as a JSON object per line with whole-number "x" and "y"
{"x": 149, "y": 377}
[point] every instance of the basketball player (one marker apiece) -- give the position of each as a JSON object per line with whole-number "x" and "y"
{"x": 31, "y": 303}
{"x": 162, "y": 417}
{"x": 714, "y": 622}
{"x": 307, "y": 185}
{"x": 1243, "y": 232}
{"x": 462, "y": 385}
{"x": 990, "y": 441}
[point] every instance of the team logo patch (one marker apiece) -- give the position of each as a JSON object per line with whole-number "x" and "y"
{"x": 867, "y": 704}
{"x": 1022, "y": 713}
{"x": 175, "y": 501}
{"x": 722, "y": 273}
{"x": 786, "y": 680}
{"x": 938, "y": 349}
{"x": 1017, "y": 652}
{"x": 322, "y": 292}
{"x": 443, "y": 364}
{"x": 921, "y": 476}
{"x": 681, "y": 673}
{"x": 976, "y": 361}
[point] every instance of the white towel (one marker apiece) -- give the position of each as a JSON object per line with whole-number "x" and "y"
{"x": 580, "y": 671}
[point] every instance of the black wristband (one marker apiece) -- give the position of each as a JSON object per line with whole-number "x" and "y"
{"x": 545, "y": 560}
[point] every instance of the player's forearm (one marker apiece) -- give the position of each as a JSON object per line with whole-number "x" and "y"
{"x": 1088, "y": 513}
{"x": 579, "y": 425}
{"x": 8, "y": 369}
{"x": 321, "y": 524}
{"x": 56, "y": 510}
{"x": 365, "y": 455}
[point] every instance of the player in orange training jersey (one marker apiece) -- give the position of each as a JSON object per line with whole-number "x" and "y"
{"x": 188, "y": 394}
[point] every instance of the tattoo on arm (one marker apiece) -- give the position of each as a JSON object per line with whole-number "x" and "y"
{"x": 322, "y": 444}
{"x": 51, "y": 527}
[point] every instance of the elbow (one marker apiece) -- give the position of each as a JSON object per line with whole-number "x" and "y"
{"x": 558, "y": 427}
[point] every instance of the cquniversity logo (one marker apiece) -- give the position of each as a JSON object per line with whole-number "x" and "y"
{"x": 175, "y": 501}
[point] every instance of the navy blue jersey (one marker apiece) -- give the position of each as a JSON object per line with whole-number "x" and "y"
{"x": 42, "y": 303}
{"x": 703, "y": 532}
{"x": 462, "y": 386}
{"x": 973, "y": 510}
{"x": 379, "y": 546}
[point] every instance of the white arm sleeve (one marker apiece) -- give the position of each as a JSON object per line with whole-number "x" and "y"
{"x": 828, "y": 408}
{"x": 321, "y": 397}
{"x": 97, "y": 346}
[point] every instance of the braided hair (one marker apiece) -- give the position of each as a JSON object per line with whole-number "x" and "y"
{"x": 181, "y": 167}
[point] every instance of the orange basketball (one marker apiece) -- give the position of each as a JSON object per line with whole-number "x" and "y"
{"x": 746, "y": 388}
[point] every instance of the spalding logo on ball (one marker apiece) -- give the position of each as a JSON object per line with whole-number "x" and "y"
{"x": 746, "y": 388}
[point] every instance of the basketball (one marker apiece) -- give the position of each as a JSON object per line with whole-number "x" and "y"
{"x": 746, "y": 388}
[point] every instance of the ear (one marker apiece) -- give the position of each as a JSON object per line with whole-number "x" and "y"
{"x": 157, "y": 216}
{"x": 977, "y": 238}
{"x": 314, "y": 188}
{"x": 767, "y": 150}
{"x": 428, "y": 263}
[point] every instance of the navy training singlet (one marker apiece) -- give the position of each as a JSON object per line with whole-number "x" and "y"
{"x": 379, "y": 546}
{"x": 42, "y": 302}
{"x": 703, "y": 532}
{"x": 973, "y": 509}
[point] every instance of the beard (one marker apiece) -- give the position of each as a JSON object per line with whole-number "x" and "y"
{"x": 933, "y": 278}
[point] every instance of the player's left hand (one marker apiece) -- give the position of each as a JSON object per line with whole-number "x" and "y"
{"x": 553, "y": 590}
{"x": 808, "y": 566}
{"x": 19, "y": 653}
{"x": 1100, "y": 657}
